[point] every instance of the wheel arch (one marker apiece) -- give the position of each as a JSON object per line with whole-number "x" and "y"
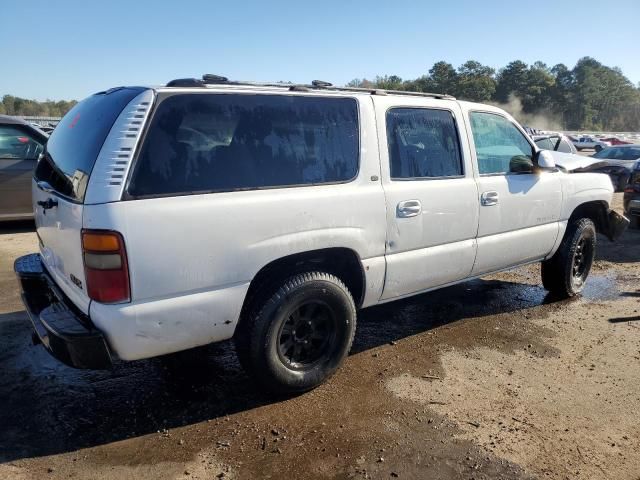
{"x": 342, "y": 262}
{"x": 596, "y": 211}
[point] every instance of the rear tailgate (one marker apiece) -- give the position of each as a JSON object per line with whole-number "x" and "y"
{"x": 59, "y": 230}
{"x": 60, "y": 184}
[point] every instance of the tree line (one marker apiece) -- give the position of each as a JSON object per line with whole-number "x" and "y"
{"x": 591, "y": 96}
{"x": 11, "y": 105}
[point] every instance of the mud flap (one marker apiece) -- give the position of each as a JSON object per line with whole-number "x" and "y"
{"x": 615, "y": 225}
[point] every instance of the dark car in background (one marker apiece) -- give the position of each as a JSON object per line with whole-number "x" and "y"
{"x": 20, "y": 146}
{"x": 632, "y": 197}
{"x": 619, "y": 162}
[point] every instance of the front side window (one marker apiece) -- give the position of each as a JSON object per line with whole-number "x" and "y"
{"x": 500, "y": 146}
{"x": 565, "y": 146}
{"x": 546, "y": 143}
{"x": 16, "y": 144}
{"x": 423, "y": 143}
{"x": 224, "y": 142}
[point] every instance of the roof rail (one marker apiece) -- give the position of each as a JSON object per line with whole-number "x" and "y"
{"x": 211, "y": 79}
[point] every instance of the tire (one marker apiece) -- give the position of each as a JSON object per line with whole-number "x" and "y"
{"x": 635, "y": 222}
{"x": 296, "y": 338}
{"x": 565, "y": 274}
{"x": 597, "y": 148}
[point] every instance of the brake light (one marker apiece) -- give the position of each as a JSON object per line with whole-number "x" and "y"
{"x": 628, "y": 190}
{"x": 105, "y": 266}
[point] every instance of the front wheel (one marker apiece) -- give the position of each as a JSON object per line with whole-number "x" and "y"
{"x": 565, "y": 273}
{"x": 297, "y": 338}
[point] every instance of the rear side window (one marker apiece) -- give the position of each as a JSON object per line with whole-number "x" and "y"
{"x": 423, "y": 143}
{"x": 224, "y": 142}
{"x": 74, "y": 145}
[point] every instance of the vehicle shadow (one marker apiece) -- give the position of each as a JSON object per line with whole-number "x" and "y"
{"x": 49, "y": 408}
{"x": 624, "y": 250}
{"x": 17, "y": 226}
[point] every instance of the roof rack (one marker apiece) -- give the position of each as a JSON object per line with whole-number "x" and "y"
{"x": 211, "y": 79}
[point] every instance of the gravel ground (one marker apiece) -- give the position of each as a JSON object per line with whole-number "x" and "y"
{"x": 488, "y": 379}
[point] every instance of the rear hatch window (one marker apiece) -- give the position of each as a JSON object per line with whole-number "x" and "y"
{"x": 73, "y": 147}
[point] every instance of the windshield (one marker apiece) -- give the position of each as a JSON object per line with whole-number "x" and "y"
{"x": 619, "y": 153}
{"x": 73, "y": 147}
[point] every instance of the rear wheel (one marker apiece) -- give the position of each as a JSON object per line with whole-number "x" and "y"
{"x": 635, "y": 221}
{"x": 566, "y": 272}
{"x": 297, "y": 337}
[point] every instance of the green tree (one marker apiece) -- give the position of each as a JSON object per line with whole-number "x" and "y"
{"x": 443, "y": 78}
{"x": 476, "y": 82}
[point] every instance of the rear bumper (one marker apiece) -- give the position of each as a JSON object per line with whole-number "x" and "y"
{"x": 65, "y": 332}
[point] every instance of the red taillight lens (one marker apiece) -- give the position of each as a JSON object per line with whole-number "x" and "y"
{"x": 628, "y": 190}
{"x": 105, "y": 266}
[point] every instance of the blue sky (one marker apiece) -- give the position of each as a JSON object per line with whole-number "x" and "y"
{"x": 68, "y": 49}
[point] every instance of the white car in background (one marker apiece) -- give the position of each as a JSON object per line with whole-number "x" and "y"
{"x": 590, "y": 143}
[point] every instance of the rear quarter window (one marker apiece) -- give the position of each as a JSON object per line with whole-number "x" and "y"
{"x": 74, "y": 145}
{"x": 225, "y": 142}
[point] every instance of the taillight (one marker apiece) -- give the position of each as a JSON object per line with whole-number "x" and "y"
{"x": 105, "y": 266}
{"x": 628, "y": 190}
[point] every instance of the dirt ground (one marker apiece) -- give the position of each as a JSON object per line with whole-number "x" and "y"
{"x": 488, "y": 379}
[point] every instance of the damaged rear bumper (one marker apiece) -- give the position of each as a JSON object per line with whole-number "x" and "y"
{"x": 66, "y": 333}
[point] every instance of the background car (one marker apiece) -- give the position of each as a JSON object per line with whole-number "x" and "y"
{"x": 20, "y": 146}
{"x": 590, "y": 143}
{"x": 616, "y": 141}
{"x": 556, "y": 142}
{"x": 632, "y": 197}
{"x": 619, "y": 162}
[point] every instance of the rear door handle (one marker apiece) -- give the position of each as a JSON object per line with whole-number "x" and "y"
{"x": 488, "y": 199}
{"x": 409, "y": 208}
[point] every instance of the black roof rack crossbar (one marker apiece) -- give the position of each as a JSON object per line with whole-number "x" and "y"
{"x": 211, "y": 79}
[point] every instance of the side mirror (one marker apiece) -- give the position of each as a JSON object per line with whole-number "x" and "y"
{"x": 544, "y": 160}
{"x": 520, "y": 164}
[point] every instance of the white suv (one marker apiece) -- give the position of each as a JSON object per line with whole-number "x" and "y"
{"x": 178, "y": 216}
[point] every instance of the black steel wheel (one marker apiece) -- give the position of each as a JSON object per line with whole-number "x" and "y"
{"x": 306, "y": 335}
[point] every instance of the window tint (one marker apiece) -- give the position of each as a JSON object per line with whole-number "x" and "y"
{"x": 222, "y": 142}
{"x": 15, "y": 143}
{"x": 500, "y": 146}
{"x": 423, "y": 143}
{"x": 74, "y": 145}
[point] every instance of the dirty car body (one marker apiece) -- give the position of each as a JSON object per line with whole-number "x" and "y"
{"x": 209, "y": 210}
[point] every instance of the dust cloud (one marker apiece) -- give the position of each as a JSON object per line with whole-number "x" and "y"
{"x": 541, "y": 120}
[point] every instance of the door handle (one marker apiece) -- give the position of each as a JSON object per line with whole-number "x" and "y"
{"x": 489, "y": 198}
{"x": 409, "y": 208}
